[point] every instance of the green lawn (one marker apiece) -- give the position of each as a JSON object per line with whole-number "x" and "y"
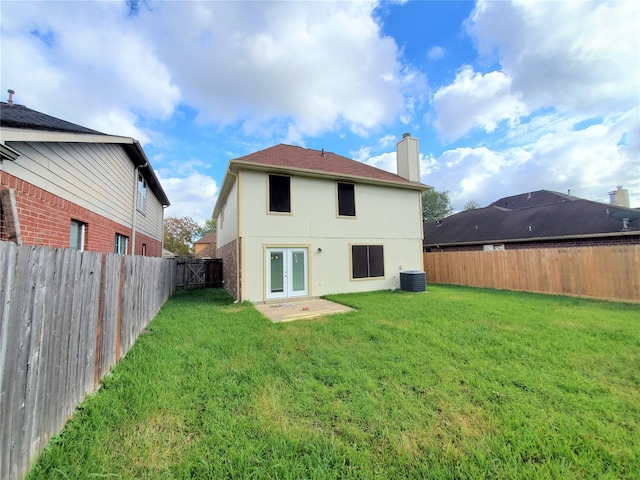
{"x": 452, "y": 383}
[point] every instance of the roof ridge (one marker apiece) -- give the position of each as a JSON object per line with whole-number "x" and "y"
{"x": 303, "y": 159}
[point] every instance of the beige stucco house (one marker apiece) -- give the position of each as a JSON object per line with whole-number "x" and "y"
{"x": 294, "y": 222}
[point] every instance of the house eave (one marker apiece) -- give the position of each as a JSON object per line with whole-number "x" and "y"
{"x": 227, "y": 184}
{"x": 140, "y": 160}
{"x": 12, "y": 134}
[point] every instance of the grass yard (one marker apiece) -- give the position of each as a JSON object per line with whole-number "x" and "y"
{"x": 453, "y": 383}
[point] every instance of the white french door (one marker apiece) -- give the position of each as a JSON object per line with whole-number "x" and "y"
{"x": 287, "y": 272}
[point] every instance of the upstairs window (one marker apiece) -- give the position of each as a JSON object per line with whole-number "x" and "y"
{"x": 121, "y": 244}
{"x": 367, "y": 261}
{"x": 279, "y": 193}
{"x": 141, "y": 200}
{"x": 346, "y": 200}
{"x": 77, "y": 236}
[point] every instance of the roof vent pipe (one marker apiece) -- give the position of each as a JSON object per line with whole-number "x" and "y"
{"x": 10, "y": 101}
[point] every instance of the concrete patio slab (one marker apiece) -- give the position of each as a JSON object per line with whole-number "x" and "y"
{"x": 299, "y": 309}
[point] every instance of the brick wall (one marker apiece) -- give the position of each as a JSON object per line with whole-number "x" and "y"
{"x": 3, "y": 227}
{"x": 45, "y": 220}
{"x": 229, "y": 258}
{"x": 152, "y": 247}
{"x": 574, "y": 242}
{"x": 206, "y": 251}
{"x": 578, "y": 242}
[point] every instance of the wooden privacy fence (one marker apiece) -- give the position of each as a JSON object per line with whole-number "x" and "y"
{"x": 66, "y": 318}
{"x": 607, "y": 272}
{"x": 198, "y": 273}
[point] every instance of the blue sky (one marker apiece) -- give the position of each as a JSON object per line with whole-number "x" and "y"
{"x": 505, "y": 97}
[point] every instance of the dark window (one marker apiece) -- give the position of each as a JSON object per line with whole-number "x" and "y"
{"x": 360, "y": 261}
{"x": 367, "y": 261}
{"x": 346, "y": 200}
{"x": 279, "y": 193}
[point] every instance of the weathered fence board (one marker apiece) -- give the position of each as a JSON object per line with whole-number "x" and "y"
{"x": 66, "y": 318}
{"x": 606, "y": 272}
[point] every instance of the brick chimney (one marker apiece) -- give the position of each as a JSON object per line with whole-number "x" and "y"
{"x": 408, "y": 158}
{"x": 620, "y": 196}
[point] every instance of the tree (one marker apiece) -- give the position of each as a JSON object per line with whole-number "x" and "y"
{"x": 179, "y": 234}
{"x": 471, "y": 205}
{"x": 209, "y": 226}
{"x": 435, "y": 205}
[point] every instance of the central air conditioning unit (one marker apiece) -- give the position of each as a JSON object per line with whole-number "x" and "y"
{"x": 413, "y": 281}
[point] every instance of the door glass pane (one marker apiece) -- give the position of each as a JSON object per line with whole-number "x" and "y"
{"x": 277, "y": 272}
{"x": 297, "y": 271}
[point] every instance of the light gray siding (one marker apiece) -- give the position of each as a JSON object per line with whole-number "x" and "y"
{"x": 151, "y": 223}
{"x": 97, "y": 176}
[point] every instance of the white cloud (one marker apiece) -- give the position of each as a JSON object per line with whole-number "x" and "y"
{"x": 563, "y": 104}
{"x": 388, "y": 162}
{"x": 578, "y": 57}
{"x": 86, "y": 65}
{"x": 475, "y": 100}
{"x": 193, "y": 195}
{"x": 435, "y": 53}
{"x": 316, "y": 65}
{"x": 119, "y": 122}
{"x": 559, "y": 159}
{"x": 384, "y": 161}
{"x": 387, "y": 140}
{"x": 299, "y": 67}
{"x": 362, "y": 154}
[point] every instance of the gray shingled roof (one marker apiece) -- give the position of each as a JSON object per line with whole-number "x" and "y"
{"x": 537, "y": 215}
{"x": 19, "y": 116}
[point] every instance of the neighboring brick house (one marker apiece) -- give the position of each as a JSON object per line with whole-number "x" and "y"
{"x": 534, "y": 220}
{"x": 294, "y": 222}
{"x": 66, "y": 186}
{"x": 206, "y": 246}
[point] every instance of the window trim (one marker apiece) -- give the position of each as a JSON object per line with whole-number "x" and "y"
{"x": 269, "y": 196}
{"x": 338, "y": 203}
{"x": 369, "y": 259}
